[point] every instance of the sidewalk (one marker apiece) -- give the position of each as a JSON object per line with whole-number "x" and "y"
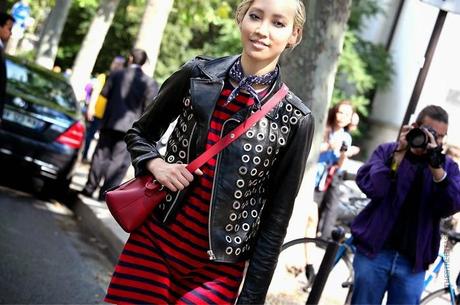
{"x": 95, "y": 216}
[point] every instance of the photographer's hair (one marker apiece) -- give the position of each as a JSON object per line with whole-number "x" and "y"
{"x": 435, "y": 112}
{"x": 299, "y": 18}
{"x": 139, "y": 56}
{"x": 4, "y": 17}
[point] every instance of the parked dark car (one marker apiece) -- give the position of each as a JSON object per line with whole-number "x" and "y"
{"x": 42, "y": 130}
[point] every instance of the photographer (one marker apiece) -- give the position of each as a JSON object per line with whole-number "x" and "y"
{"x": 412, "y": 185}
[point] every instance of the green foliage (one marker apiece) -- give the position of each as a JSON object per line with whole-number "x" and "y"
{"x": 363, "y": 66}
{"x": 197, "y": 27}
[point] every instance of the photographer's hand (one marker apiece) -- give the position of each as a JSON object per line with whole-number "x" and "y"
{"x": 402, "y": 147}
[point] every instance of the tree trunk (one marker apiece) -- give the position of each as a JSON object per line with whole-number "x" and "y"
{"x": 309, "y": 70}
{"x": 51, "y": 34}
{"x": 92, "y": 44}
{"x": 151, "y": 31}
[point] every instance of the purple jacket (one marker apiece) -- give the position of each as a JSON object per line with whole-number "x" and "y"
{"x": 372, "y": 226}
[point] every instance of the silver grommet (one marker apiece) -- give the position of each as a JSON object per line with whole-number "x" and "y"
{"x": 281, "y": 141}
{"x": 253, "y": 172}
{"x": 247, "y": 147}
{"x": 237, "y": 228}
{"x": 266, "y": 162}
{"x": 256, "y": 160}
{"x": 254, "y": 213}
{"x": 297, "y": 112}
{"x": 228, "y": 239}
{"x": 237, "y": 251}
{"x": 229, "y": 250}
{"x": 171, "y": 159}
{"x": 228, "y": 227}
{"x": 252, "y": 201}
{"x": 250, "y": 133}
{"x": 284, "y": 129}
{"x": 245, "y": 227}
{"x": 238, "y": 194}
{"x": 244, "y": 214}
{"x": 182, "y": 154}
{"x": 293, "y": 120}
{"x": 240, "y": 183}
{"x": 187, "y": 102}
{"x": 259, "y": 148}
{"x": 174, "y": 148}
{"x": 243, "y": 170}
{"x": 260, "y": 136}
{"x": 245, "y": 158}
{"x": 274, "y": 126}
{"x": 169, "y": 197}
{"x": 285, "y": 119}
{"x": 272, "y": 137}
{"x": 269, "y": 150}
{"x": 233, "y": 216}
{"x": 289, "y": 107}
{"x": 185, "y": 142}
{"x": 236, "y": 205}
{"x": 237, "y": 240}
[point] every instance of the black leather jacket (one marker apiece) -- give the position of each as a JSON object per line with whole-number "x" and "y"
{"x": 257, "y": 177}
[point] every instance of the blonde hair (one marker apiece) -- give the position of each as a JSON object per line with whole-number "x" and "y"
{"x": 299, "y": 18}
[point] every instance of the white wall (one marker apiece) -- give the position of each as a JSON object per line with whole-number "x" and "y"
{"x": 410, "y": 41}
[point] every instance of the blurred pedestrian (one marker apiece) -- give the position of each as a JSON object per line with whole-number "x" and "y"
{"x": 333, "y": 152}
{"x": 96, "y": 105}
{"x": 21, "y": 13}
{"x": 127, "y": 92}
{"x": 6, "y": 24}
{"x": 195, "y": 246}
{"x": 412, "y": 185}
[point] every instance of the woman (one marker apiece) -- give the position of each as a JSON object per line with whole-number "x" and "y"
{"x": 336, "y": 141}
{"x": 194, "y": 247}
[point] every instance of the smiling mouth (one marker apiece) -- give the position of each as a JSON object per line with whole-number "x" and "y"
{"x": 259, "y": 43}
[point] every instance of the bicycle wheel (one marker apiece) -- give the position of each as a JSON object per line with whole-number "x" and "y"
{"x": 438, "y": 297}
{"x": 290, "y": 285}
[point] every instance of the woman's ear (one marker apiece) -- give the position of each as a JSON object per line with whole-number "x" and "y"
{"x": 295, "y": 38}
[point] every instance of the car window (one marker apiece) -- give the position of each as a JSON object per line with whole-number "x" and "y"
{"x": 40, "y": 87}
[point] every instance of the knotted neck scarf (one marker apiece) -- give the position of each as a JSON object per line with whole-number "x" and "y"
{"x": 246, "y": 82}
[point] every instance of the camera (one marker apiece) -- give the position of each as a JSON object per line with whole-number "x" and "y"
{"x": 343, "y": 147}
{"x": 417, "y": 138}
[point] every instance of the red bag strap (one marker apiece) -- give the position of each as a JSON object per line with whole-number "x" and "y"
{"x": 239, "y": 130}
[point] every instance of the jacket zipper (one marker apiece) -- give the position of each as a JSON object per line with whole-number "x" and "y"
{"x": 210, "y": 252}
{"x": 173, "y": 204}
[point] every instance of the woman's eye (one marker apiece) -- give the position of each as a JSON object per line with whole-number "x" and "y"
{"x": 253, "y": 16}
{"x": 279, "y": 24}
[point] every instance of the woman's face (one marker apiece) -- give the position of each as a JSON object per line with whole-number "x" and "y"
{"x": 343, "y": 115}
{"x": 266, "y": 29}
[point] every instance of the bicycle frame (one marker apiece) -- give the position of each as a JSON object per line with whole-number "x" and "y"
{"x": 347, "y": 244}
{"x": 441, "y": 260}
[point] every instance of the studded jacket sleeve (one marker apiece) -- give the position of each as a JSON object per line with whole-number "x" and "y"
{"x": 141, "y": 139}
{"x": 285, "y": 184}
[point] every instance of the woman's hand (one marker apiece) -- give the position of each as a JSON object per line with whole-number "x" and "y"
{"x": 175, "y": 177}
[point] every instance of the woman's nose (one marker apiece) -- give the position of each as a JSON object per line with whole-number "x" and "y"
{"x": 262, "y": 29}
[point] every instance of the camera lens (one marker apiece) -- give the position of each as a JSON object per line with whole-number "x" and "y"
{"x": 416, "y": 138}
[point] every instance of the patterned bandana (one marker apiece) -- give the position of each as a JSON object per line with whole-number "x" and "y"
{"x": 246, "y": 82}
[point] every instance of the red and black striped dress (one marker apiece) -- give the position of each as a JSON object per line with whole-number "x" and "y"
{"x": 169, "y": 264}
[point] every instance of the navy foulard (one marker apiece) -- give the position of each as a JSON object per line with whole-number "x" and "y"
{"x": 245, "y": 82}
